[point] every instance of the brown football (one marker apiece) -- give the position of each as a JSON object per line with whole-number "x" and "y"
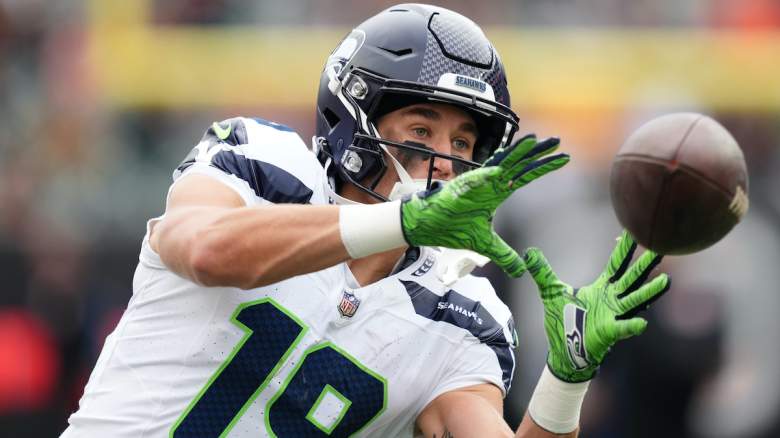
{"x": 679, "y": 183}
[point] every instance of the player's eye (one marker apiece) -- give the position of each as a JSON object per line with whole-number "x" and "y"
{"x": 461, "y": 144}
{"x": 420, "y": 132}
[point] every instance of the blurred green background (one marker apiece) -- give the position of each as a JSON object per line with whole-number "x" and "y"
{"x": 100, "y": 100}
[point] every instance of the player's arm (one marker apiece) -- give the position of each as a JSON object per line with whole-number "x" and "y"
{"x": 209, "y": 236}
{"x": 475, "y": 412}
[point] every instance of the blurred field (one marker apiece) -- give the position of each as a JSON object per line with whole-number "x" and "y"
{"x": 101, "y": 100}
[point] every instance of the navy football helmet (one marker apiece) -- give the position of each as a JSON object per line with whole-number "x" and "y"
{"x": 407, "y": 54}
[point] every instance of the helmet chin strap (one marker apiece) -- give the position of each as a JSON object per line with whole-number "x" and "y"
{"x": 407, "y": 185}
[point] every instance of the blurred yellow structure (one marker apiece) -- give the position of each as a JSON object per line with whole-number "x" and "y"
{"x": 137, "y": 63}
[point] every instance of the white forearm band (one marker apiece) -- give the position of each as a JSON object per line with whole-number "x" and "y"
{"x": 371, "y": 228}
{"x": 555, "y": 404}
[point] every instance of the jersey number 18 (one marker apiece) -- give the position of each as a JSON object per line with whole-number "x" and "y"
{"x": 324, "y": 375}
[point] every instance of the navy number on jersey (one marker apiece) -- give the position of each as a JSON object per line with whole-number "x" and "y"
{"x": 328, "y": 393}
{"x": 340, "y": 409}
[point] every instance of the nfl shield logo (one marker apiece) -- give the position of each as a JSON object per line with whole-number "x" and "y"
{"x": 348, "y": 305}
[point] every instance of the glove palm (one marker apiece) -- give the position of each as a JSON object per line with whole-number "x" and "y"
{"x": 583, "y": 324}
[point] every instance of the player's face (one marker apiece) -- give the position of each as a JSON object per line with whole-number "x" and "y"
{"x": 439, "y": 127}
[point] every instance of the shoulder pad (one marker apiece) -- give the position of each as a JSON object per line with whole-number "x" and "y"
{"x": 264, "y": 161}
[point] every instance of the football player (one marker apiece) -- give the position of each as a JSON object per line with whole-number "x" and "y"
{"x": 293, "y": 294}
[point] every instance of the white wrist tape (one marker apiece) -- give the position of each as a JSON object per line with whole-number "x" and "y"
{"x": 555, "y": 404}
{"x": 371, "y": 228}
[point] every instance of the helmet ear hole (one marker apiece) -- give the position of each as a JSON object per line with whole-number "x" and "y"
{"x": 331, "y": 118}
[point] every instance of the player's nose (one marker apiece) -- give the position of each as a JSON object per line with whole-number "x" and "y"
{"x": 442, "y": 169}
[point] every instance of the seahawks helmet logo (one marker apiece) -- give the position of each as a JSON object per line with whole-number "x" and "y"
{"x": 465, "y": 81}
{"x": 574, "y": 329}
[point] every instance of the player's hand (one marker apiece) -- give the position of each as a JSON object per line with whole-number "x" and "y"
{"x": 582, "y": 324}
{"x": 459, "y": 214}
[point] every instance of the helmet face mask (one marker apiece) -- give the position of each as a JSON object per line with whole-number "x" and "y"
{"x": 413, "y": 155}
{"x": 375, "y": 71}
{"x": 410, "y": 156}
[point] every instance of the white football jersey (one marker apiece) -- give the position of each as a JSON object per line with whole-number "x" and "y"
{"x": 313, "y": 355}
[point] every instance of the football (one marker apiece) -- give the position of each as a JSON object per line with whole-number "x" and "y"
{"x": 679, "y": 183}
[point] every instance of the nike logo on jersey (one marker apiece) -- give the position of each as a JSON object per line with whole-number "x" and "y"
{"x": 222, "y": 133}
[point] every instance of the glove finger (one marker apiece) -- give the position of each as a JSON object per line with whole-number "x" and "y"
{"x": 621, "y": 257}
{"x": 641, "y": 299}
{"x": 637, "y": 274}
{"x": 505, "y": 257}
{"x": 538, "y": 169}
{"x": 544, "y": 147}
{"x": 518, "y": 149}
{"x": 630, "y": 327}
{"x": 539, "y": 268}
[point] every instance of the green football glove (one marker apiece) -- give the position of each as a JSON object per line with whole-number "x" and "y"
{"x": 459, "y": 214}
{"x": 582, "y": 324}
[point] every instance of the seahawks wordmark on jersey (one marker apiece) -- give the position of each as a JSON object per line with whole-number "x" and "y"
{"x": 292, "y": 359}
